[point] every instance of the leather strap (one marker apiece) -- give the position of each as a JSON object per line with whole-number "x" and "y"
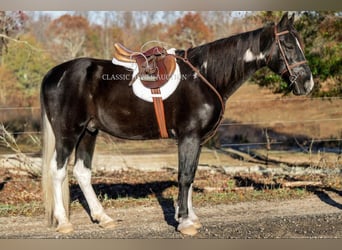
{"x": 288, "y": 67}
{"x": 159, "y": 112}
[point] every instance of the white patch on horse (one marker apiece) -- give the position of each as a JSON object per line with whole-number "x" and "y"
{"x": 249, "y": 56}
{"x": 205, "y": 65}
{"x": 195, "y": 76}
{"x": 204, "y": 113}
{"x": 173, "y": 132}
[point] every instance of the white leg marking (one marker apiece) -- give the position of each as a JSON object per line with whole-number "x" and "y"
{"x": 176, "y": 213}
{"x": 58, "y": 176}
{"x": 83, "y": 176}
{"x": 184, "y": 223}
{"x": 192, "y": 216}
{"x": 190, "y": 224}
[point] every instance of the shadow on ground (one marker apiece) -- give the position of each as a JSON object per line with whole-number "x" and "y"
{"x": 156, "y": 188}
{"x": 321, "y": 192}
{"x": 323, "y": 195}
{"x": 136, "y": 191}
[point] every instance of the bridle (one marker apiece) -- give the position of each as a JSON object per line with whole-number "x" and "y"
{"x": 288, "y": 68}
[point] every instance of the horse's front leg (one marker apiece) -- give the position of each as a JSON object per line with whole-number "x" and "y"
{"x": 189, "y": 149}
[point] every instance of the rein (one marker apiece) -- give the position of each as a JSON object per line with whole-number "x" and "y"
{"x": 196, "y": 70}
{"x": 288, "y": 68}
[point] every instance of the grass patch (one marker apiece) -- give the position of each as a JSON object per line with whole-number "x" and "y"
{"x": 199, "y": 199}
{"x": 126, "y": 189}
{"x": 28, "y": 209}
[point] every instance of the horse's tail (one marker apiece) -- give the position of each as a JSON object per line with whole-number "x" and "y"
{"x": 48, "y": 155}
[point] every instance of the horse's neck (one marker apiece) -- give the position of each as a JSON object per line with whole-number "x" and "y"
{"x": 227, "y": 63}
{"x": 231, "y": 86}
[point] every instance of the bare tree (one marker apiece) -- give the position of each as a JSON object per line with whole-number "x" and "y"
{"x": 67, "y": 36}
{"x": 189, "y": 30}
{"x": 11, "y": 23}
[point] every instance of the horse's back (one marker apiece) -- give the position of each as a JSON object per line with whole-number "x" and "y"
{"x": 70, "y": 72}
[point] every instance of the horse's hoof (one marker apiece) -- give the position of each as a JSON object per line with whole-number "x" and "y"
{"x": 65, "y": 228}
{"x": 108, "y": 225}
{"x": 190, "y": 230}
{"x": 197, "y": 224}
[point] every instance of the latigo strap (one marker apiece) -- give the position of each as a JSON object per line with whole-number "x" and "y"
{"x": 159, "y": 111}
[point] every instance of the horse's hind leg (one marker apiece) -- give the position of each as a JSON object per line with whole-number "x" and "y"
{"x": 82, "y": 172}
{"x": 60, "y": 186}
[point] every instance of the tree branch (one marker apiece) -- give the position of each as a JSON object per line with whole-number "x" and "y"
{"x": 19, "y": 41}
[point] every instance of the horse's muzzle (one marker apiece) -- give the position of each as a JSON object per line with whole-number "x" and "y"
{"x": 304, "y": 88}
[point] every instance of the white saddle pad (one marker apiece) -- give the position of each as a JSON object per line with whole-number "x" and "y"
{"x": 145, "y": 93}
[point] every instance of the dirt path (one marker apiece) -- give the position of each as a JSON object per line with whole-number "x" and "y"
{"x": 318, "y": 216}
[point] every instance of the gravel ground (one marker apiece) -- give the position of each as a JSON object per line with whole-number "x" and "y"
{"x": 317, "y": 216}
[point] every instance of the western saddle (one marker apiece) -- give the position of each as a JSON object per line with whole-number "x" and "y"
{"x": 156, "y": 67}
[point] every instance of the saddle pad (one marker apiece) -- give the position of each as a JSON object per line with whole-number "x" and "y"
{"x": 145, "y": 93}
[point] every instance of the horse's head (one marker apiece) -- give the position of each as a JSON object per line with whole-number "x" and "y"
{"x": 286, "y": 57}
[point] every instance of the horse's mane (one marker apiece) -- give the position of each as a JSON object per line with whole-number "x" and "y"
{"x": 224, "y": 57}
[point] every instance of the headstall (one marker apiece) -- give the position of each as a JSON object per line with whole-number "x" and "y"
{"x": 288, "y": 68}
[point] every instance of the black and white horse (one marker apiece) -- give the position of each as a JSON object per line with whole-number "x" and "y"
{"x": 77, "y": 101}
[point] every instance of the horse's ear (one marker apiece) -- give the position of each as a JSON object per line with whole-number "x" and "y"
{"x": 284, "y": 20}
{"x": 291, "y": 20}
